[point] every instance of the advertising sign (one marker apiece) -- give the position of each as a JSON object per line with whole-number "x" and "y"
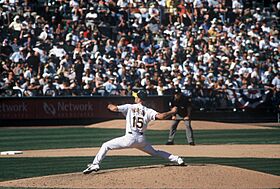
{"x": 66, "y": 108}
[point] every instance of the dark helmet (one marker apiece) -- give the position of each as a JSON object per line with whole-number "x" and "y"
{"x": 141, "y": 94}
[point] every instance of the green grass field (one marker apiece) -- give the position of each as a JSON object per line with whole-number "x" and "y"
{"x": 52, "y": 138}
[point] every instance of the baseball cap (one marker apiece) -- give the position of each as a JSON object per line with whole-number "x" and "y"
{"x": 177, "y": 91}
{"x": 140, "y": 94}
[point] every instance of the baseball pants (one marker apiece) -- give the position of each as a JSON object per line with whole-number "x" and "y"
{"x": 131, "y": 141}
{"x": 173, "y": 129}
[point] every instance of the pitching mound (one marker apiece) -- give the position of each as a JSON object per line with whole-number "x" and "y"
{"x": 197, "y": 125}
{"x": 193, "y": 176}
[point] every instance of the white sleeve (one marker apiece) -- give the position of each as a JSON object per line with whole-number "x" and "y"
{"x": 123, "y": 108}
{"x": 151, "y": 114}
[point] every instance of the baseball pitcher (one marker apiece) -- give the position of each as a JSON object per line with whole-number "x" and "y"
{"x": 137, "y": 118}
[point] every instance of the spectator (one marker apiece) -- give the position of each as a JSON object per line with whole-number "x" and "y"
{"x": 5, "y": 50}
{"x": 221, "y": 45}
{"x": 32, "y": 89}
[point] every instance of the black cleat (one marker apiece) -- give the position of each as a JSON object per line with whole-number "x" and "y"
{"x": 169, "y": 143}
{"x": 191, "y": 144}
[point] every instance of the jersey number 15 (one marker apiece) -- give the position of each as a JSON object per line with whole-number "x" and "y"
{"x": 138, "y": 121}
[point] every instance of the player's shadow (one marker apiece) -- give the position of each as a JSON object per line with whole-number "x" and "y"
{"x": 184, "y": 165}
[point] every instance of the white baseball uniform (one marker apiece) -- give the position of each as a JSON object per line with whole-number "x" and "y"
{"x": 137, "y": 119}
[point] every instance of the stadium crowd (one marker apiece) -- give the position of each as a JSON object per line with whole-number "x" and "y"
{"x": 212, "y": 49}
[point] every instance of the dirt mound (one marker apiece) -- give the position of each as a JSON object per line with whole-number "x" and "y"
{"x": 197, "y": 125}
{"x": 192, "y": 176}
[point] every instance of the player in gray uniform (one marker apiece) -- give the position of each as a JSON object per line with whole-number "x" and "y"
{"x": 137, "y": 118}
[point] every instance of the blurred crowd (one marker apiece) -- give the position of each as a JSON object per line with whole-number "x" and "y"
{"x": 225, "y": 49}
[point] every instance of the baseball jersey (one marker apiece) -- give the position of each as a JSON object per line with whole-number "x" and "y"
{"x": 137, "y": 117}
